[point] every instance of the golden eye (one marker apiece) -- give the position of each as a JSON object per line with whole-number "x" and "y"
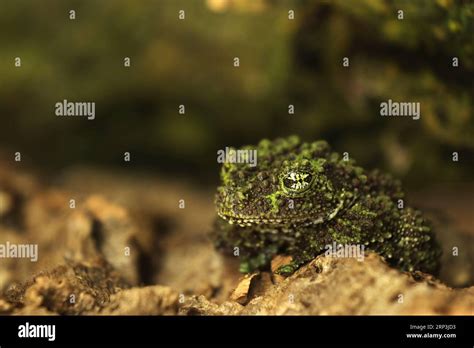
{"x": 296, "y": 182}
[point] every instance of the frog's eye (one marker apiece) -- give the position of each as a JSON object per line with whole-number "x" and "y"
{"x": 296, "y": 182}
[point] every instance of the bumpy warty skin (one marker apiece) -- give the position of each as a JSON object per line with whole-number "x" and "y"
{"x": 301, "y": 197}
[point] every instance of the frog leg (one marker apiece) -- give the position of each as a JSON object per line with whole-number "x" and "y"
{"x": 254, "y": 260}
{"x": 288, "y": 269}
{"x": 417, "y": 248}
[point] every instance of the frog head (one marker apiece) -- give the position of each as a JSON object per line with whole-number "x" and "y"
{"x": 293, "y": 183}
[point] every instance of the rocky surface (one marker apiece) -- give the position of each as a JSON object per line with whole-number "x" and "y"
{"x": 128, "y": 246}
{"x": 330, "y": 286}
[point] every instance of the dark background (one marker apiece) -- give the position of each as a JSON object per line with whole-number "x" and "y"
{"x": 282, "y": 62}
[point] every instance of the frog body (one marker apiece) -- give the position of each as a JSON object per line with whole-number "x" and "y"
{"x": 302, "y": 197}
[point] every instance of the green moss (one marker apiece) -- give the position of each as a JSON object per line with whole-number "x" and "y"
{"x": 341, "y": 203}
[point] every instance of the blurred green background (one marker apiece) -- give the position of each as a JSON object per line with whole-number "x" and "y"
{"x": 282, "y": 62}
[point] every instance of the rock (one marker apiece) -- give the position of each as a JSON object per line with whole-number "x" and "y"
{"x": 325, "y": 286}
{"x": 149, "y": 300}
{"x": 94, "y": 228}
{"x": 242, "y": 291}
{"x": 277, "y": 262}
{"x": 172, "y": 268}
{"x": 15, "y": 188}
{"x": 330, "y": 286}
{"x": 200, "y": 305}
{"x": 75, "y": 288}
{"x": 6, "y": 203}
{"x": 174, "y": 242}
{"x": 280, "y": 260}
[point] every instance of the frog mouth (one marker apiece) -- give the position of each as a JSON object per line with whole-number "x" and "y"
{"x": 249, "y": 221}
{"x": 303, "y": 220}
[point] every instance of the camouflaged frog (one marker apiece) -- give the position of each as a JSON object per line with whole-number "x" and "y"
{"x": 301, "y": 197}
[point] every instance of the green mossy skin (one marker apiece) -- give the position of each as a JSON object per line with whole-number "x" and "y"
{"x": 261, "y": 214}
